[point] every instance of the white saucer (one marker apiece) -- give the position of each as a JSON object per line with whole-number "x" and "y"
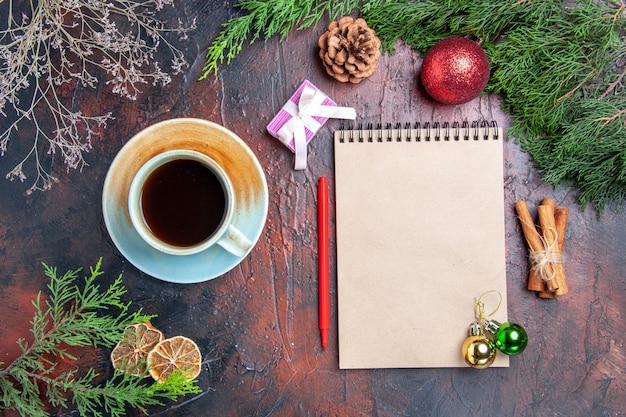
{"x": 223, "y": 146}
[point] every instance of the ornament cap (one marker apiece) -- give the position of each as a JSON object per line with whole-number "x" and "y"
{"x": 492, "y": 326}
{"x": 476, "y": 329}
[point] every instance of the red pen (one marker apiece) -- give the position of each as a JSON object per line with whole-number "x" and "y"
{"x": 323, "y": 261}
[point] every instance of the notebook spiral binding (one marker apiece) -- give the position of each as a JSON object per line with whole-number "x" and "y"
{"x": 418, "y": 132}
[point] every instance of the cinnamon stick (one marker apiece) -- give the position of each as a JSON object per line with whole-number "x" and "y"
{"x": 550, "y": 271}
{"x": 544, "y": 293}
{"x": 535, "y": 244}
{"x": 547, "y": 201}
{"x": 561, "y": 215}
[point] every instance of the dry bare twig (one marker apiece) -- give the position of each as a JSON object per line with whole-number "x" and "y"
{"x": 54, "y": 46}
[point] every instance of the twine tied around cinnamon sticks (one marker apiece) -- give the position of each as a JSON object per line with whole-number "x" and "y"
{"x": 543, "y": 261}
{"x": 545, "y": 245}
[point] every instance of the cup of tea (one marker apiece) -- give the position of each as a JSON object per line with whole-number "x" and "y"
{"x": 182, "y": 202}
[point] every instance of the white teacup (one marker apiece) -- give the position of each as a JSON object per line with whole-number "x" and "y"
{"x": 182, "y": 202}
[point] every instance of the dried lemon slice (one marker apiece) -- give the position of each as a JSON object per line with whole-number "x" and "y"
{"x": 139, "y": 340}
{"x": 175, "y": 353}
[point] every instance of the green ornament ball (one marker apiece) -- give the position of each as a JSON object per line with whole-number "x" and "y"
{"x": 509, "y": 338}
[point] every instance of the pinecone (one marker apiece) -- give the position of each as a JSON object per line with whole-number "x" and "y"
{"x": 349, "y": 49}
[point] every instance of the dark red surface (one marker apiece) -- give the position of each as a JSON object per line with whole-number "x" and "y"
{"x": 257, "y": 326}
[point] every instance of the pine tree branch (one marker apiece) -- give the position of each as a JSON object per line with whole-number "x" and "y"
{"x": 608, "y": 120}
{"x": 550, "y": 61}
{"x": 614, "y": 84}
{"x": 72, "y": 316}
{"x": 578, "y": 87}
{"x": 267, "y": 18}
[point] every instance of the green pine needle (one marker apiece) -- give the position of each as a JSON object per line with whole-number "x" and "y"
{"x": 265, "y": 19}
{"x": 550, "y": 63}
{"x": 79, "y": 314}
{"x": 558, "y": 66}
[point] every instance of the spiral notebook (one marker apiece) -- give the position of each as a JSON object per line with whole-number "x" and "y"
{"x": 420, "y": 235}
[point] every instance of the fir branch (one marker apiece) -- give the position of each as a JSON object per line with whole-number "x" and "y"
{"x": 266, "y": 18}
{"x": 418, "y": 24}
{"x": 549, "y": 63}
{"x": 559, "y": 67}
{"x": 614, "y": 84}
{"x": 77, "y": 315}
{"x": 124, "y": 390}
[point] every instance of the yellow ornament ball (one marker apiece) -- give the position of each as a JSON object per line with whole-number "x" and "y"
{"x": 479, "y": 352}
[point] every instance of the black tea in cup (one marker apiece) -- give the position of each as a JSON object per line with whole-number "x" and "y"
{"x": 183, "y": 202}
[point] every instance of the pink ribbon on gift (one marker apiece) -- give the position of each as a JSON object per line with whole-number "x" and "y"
{"x": 309, "y": 106}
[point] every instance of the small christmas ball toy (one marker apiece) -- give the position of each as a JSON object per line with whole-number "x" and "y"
{"x": 455, "y": 70}
{"x": 509, "y": 338}
{"x": 478, "y": 351}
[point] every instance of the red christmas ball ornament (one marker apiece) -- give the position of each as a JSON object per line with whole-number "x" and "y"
{"x": 455, "y": 70}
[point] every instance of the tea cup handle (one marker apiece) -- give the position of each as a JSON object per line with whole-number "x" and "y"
{"x": 235, "y": 242}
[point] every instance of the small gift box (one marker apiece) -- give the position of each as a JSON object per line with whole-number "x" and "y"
{"x": 302, "y": 116}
